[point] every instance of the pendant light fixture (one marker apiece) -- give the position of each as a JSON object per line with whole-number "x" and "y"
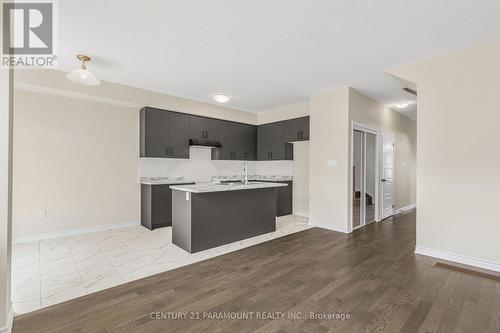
{"x": 82, "y": 75}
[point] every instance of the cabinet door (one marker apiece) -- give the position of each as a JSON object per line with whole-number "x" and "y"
{"x": 248, "y": 143}
{"x": 202, "y": 128}
{"x": 297, "y": 129}
{"x": 293, "y": 130}
{"x": 154, "y": 128}
{"x": 275, "y": 135}
{"x": 264, "y": 141}
{"x": 178, "y": 132}
{"x": 271, "y": 142}
{"x": 161, "y": 206}
{"x": 305, "y": 128}
{"x": 197, "y": 128}
{"x": 227, "y": 136}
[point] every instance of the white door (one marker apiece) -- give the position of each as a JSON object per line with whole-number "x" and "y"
{"x": 387, "y": 176}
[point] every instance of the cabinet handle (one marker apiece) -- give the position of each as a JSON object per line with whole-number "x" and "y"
{"x": 171, "y": 151}
{"x": 298, "y": 135}
{"x": 166, "y": 151}
{"x": 301, "y": 135}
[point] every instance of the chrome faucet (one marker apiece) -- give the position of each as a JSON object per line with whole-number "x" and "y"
{"x": 245, "y": 170}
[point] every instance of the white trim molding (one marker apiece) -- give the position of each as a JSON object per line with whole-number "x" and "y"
{"x": 10, "y": 320}
{"x": 404, "y": 209}
{"x": 458, "y": 258}
{"x": 72, "y": 232}
{"x": 329, "y": 227}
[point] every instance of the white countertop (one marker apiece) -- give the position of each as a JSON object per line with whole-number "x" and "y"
{"x": 274, "y": 178}
{"x": 211, "y": 187}
{"x": 164, "y": 180}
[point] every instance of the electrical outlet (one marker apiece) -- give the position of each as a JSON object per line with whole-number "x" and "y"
{"x": 42, "y": 214}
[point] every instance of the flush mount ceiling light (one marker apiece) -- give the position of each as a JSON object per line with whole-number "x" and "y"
{"x": 221, "y": 98}
{"x": 82, "y": 75}
{"x": 402, "y": 105}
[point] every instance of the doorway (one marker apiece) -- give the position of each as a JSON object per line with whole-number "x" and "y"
{"x": 364, "y": 176}
{"x": 387, "y": 175}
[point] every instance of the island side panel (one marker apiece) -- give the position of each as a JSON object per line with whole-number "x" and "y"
{"x": 220, "y": 218}
{"x": 181, "y": 219}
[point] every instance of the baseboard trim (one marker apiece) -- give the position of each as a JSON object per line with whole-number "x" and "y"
{"x": 404, "y": 209}
{"x": 329, "y": 227}
{"x": 10, "y": 320}
{"x": 72, "y": 232}
{"x": 458, "y": 258}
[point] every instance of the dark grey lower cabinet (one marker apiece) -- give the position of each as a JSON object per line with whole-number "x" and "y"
{"x": 156, "y": 206}
{"x": 285, "y": 199}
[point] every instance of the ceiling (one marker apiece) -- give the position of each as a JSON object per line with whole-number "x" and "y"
{"x": 267, "y": 53}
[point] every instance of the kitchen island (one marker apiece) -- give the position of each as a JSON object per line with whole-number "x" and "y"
{"x": 208, "y": 215}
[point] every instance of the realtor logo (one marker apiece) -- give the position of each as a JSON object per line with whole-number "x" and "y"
{"x": 28, "y": 34}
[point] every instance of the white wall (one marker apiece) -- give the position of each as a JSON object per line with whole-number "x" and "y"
{"x": 6, "y": 129}
{"x": 77, "y": 159}
{"x": 329, "y": 141}
{"x": 458, "y": 154}
{"x": 301, "y": 178}
{"x": 283, "y": 112}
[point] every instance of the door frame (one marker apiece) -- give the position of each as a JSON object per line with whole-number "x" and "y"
{"x": 380, "y": 176}
{"x": 355, "y": 126}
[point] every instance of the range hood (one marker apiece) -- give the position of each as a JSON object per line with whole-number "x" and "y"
{"x": 204, "y": 144}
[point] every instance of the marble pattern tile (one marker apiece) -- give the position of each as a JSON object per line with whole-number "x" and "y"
{"x": 51, "y": 271}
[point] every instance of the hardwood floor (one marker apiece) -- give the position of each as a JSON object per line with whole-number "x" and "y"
{"x": 371, "y": 274}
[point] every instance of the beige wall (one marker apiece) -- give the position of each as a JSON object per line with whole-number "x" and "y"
{"x": 330, "y": 186}
{"x": 329, "y": 138}
{"x": 301, "y": 178}
{"x": 54, "y": 82}
{"x": 6, "y": 108}
{"x": 77, "y": 159}
{"x": 458, "y": 153}
{"x": 369, "y": 112}
{"x": 284, "y": 112}
{"x": 77, "y": 151}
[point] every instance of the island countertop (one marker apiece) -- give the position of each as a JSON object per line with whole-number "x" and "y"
{"x": 211, "y": 187}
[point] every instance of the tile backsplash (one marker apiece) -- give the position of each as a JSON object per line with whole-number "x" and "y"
{"x": 201, "y": 168}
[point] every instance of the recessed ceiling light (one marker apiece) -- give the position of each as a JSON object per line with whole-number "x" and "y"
{"x": 221, "y": 98}
{"x": 402, "y": 105}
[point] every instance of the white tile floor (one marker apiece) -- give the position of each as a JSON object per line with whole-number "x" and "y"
{"x": 51, "y": 271}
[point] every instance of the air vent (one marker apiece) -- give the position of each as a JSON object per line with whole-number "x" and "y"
{"x": 411, "y": 91}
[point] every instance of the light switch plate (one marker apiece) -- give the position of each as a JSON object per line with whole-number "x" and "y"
{"x": 331, "y": 162}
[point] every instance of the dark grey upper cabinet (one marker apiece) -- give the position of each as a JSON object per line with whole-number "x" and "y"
{"x": 178, "y": 135}
{"x": 297, "y": 129}
{"x": 164, "y": 134}
{"x": 154, "y": 133}
{"x": 238, "y": 142}
{"x": 271, "y": 141}
{"x": 167, "y": 133}
{"x": 203, "y": 128}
